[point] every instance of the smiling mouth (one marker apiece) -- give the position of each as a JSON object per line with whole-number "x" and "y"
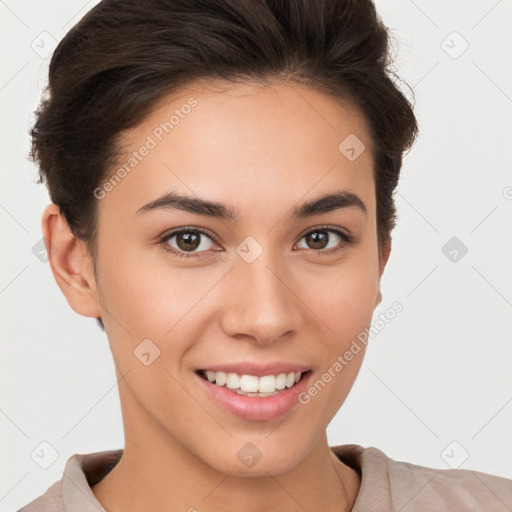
{"x": 251, "y": 385}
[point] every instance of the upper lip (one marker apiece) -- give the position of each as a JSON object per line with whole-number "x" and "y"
{"x": 257, "y": 369}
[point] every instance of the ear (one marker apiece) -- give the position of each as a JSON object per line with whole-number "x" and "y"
{"x": 71, "y": 263}
{"x": 383, "y": 259}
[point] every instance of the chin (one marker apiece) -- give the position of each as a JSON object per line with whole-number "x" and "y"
{"x": 250, "y": 461}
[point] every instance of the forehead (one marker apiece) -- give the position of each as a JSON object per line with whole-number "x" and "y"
{"x": 225, "y": 142}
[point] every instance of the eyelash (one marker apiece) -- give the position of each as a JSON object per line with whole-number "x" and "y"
{"x": 347, "y": 239}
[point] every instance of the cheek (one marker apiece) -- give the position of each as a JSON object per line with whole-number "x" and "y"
{"x": 343, "y": 297}
{"x": 145, "y": 297}
{"x": 143, "y": 294}
{"x": 344, "y": 306}
{"x": 149, "y": 297}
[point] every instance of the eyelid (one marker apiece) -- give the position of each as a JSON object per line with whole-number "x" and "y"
{"x": 184, "y": 229}
{"x": 347, "y": 240}
{"x": 327, "y": 227}
{"x": 346, "y": 237}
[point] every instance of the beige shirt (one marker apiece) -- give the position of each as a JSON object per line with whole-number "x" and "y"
{"x": 386, "y": 485}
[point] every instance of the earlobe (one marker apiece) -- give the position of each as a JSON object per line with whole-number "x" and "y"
{"x": 386, "y": 250}
{"x": 378, "y": 300}
{"x": 70, "y": 263}
{"x": 383, "y": 259}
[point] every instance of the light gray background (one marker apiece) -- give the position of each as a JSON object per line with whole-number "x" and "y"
{"x": 438, "y": 373}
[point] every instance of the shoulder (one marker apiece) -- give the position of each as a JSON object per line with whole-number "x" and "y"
{"x": 50, "y": 501}
{"x": 405, "y": 486}
{"x": 448, "y": 488}
{"x": 73, "y": 491}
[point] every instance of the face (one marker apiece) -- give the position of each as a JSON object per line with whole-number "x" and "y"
{"x": 255, "y": 284}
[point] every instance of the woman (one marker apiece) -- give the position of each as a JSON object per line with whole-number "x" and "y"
{"x": 222, "y": 176}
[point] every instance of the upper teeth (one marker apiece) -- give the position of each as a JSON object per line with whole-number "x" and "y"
{"x": 251, "y": 383}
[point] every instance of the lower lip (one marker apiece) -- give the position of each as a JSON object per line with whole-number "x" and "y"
{"x": 254, "y": 408}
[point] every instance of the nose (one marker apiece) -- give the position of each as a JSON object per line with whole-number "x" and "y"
{"x": 262, "y": 304}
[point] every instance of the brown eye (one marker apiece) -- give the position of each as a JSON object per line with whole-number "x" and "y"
{"x": 325, "y": 240}
{"x": 317, "y": 239}
{"x": 188, "y": 241}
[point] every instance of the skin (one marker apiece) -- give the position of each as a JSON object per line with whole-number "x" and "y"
{"x": 262, "y": 151}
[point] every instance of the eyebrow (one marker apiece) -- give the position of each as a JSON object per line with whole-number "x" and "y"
{"x": 323, "y": 204}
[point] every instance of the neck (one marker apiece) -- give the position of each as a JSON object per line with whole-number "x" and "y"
{"x": 157, "y": 472}
{"x": 145, "y": 484}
